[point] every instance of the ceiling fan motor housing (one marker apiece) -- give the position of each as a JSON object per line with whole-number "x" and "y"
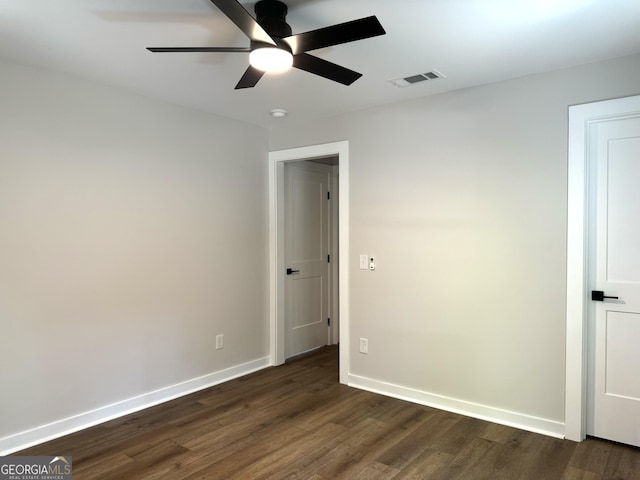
{"x": 271, "y": 15}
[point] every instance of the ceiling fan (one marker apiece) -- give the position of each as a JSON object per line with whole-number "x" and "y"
{"x": 273, "y": 48}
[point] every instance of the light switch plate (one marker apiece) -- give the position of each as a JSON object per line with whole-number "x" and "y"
{"x": 364, "y": 345}
{"x": 364, "y": 262}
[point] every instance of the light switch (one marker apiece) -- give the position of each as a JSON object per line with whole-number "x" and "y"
{"x": 364, "y": 262}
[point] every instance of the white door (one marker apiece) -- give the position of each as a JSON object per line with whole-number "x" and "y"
{"x": 614, "y": 390}
{"x": 306, "y": 256}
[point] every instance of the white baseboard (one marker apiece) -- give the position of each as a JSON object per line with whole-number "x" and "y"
{"x": 483, "y": 412}
{"x": 44, "y": 433}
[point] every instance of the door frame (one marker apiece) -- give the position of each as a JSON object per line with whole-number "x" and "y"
{"x": 277, "y": 159}
{"x": 581, "y": 119}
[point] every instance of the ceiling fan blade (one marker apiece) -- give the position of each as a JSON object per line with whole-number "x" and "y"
{"x": 325, "y": 69}
{"x": 335, "y": 35}
{"x": 199, "y": 49}
{"x": 243, "y": 19}
{"x": 250, "y": 78}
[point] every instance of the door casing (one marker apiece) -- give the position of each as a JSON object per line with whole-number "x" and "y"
{"x": 578, "y": 274}
{"x": 277, "y": 159}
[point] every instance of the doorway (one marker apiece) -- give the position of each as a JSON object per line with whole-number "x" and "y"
{"x": 277, "y": 267}
{"x": 583, "y": 276}
{"x": 310, "y": 220}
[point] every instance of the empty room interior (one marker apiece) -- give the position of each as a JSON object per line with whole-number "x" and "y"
{"x": 146, "y": 239}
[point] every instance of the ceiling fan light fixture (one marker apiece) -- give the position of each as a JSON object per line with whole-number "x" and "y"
{"x": 271, "y": 59}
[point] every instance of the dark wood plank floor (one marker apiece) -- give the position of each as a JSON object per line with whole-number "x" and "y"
{"x": 297, "y": 422}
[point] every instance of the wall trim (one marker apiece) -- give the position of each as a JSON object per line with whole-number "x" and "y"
{"x": 50, "y": 431}
{"x": 483, "y": 412}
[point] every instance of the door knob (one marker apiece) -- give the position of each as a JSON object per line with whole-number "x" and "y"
{"x": 290, "y": 271}
{"x": 599, "y": 296}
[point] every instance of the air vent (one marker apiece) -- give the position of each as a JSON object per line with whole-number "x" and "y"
{"x": 413, "y": 79}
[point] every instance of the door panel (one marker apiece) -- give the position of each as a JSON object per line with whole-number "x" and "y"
{"x": 308, "y": 196}
{"x": 614, "y": 413}
{"x": 621, "y": 346}
{"x": 623, "y": 213}
{"x": 306, "y": 250}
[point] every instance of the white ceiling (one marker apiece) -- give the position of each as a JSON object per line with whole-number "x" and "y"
{"x": 472, "y": 42}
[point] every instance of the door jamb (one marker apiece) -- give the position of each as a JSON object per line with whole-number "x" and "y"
{"x": 581, "y": 119}
{"x": 276, "y": 245}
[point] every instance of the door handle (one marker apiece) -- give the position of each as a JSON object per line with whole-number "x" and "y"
{"x": 599, "y": 296}
{"x": 291, "y": 271}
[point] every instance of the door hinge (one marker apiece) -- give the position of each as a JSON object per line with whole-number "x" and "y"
{"x": 328, "y": 258}
{"x": 328, "y": 322}
{"x": 328, "y": 195}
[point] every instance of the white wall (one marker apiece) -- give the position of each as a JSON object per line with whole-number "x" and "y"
{"x": 132, "y": 232}
{"x": 462, "y": 198}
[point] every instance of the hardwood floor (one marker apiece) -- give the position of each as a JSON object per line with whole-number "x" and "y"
{"x": 297, "y": 422}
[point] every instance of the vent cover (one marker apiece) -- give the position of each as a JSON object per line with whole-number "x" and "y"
{"x": 421, "y": 77}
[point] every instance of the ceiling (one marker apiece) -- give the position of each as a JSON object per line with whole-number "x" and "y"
{"x": 471, "y": 42}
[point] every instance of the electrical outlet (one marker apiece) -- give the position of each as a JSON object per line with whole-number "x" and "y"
{"x": 364, "y": 345}
{"x": 219, "y": 342}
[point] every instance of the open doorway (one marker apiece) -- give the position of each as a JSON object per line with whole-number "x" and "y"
{"x": 311, "y": 255}
{"x": 327, "y": 153}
